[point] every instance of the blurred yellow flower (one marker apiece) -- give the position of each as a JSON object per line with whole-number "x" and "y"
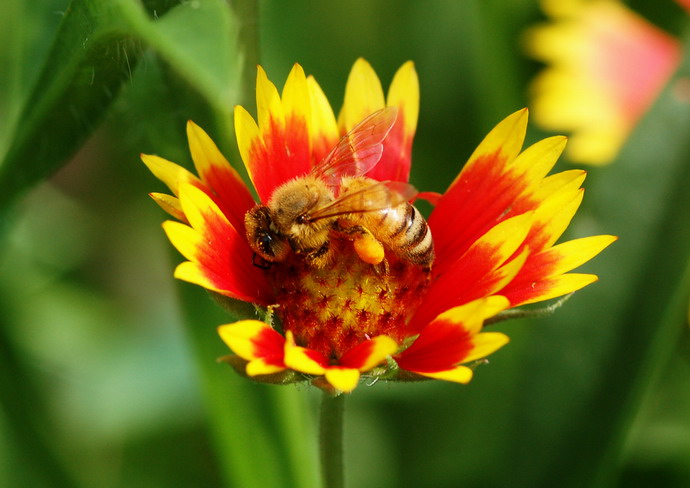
{"x": 605, "y": 67}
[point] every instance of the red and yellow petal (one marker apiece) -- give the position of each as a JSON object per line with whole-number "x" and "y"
{"x": 229, "y": 191}
{"x": 269, "y": 106}
{"x": 493, "y": 248}
{"x": 173, "y": 175}
{"x": 297, "y": 131}
{"x": 518, "y": 182}
{"x": 257, "y": 343}
{"x": 404, "y": 94}
{"x": 185, "y": 239}
{"x": 219, "y": 256}
{"x": 170, "y": 204}
{"x": 276, "y": 149}
{"x": 369, "y": 354}
{"x": 486, "y": 254}
{"x": 324, "y": 130}
{"x": 530, "y": 169}
{"x": 549, "y": 288}
{"x": 396, "y": 159}
{"x": 268, "y": 352}
{"x": 542, "y": 277}
{"x": 454, "y": 337}
{"x": 432, "y": 197}
{"x": 302, "y": 359}
{"x": 482, "y": 271}
{"x": 296, "y": 96}
{"x": 551, "y": 219}
{"x": 198, "y": 274}
{"x": 534, "y": 163}
{"x": 504, "y": 141}
{"x": 342, "y": 379}
{"x": 560, "y": 182}
{"x": 507, "y": 185}
{"x": 484, "y": 344}
{"x": 569, "y": 255}
{"x": 363, "y": 96}
{"x": 345, "y": 375}
{"x": 459, "y": 374}
{"x": 492, "y": 189}
{"x": 359, "y": 359}
{"x": 482, "y": 193}
{"x": 495, "y": 281}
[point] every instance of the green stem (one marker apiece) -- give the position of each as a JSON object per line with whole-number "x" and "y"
{"x": 28, "y": 421}
{"x": 331, "y": 440}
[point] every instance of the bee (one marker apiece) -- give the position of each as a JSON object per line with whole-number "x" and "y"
{"x": 304, "y": 213}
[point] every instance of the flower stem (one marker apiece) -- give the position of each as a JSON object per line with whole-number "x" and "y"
{"x": 30, "y": 434}
{"x": 331, "y": 440}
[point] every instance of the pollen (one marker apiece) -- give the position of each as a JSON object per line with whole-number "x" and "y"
{"x": 333, "y": 308}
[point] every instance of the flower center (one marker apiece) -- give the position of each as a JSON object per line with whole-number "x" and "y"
{"x": 348, "y": 301}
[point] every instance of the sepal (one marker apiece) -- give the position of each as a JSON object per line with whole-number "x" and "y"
{"x": 520, "y": 313}
{"x": 238, "y": 309}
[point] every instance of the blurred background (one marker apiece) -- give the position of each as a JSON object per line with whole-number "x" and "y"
{"x": 108, "y": 373}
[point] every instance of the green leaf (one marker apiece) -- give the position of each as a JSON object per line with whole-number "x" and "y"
{"x": 92, "y": 56}
{"x": 199, "y": 39}
{"x": 28, "y": 423}
{"x": 212, "y": 45}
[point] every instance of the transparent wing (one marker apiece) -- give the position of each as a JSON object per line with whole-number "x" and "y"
{"x": 370, "y": 198}
{"x": 359, "y": 150}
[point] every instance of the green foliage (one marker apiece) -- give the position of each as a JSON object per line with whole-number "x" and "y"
{"x": 107, "y": 368}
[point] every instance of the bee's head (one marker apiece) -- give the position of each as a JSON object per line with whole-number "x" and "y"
{"x": 262, "y": 235}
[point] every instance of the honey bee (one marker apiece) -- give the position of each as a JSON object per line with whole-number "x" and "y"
{"x": 303, "y": 214}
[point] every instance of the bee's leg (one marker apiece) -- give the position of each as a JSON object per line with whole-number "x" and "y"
{"x": 321, "y": 257}
{"x": 383, "y": 269}
{"x": 367, "y": 247}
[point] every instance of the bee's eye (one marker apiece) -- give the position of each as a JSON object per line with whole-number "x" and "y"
{"x": 265, "y": 243}
{"x": 302, "y": 219}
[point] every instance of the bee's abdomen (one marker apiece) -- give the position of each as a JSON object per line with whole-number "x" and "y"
{"x": 409, "y": 235}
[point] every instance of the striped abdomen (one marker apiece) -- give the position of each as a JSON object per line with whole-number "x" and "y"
{"x": 404, "y": 231}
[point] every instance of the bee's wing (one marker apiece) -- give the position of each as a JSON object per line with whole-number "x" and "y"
{"x": 359, "y": 150}
{"x": 371, "y": 198}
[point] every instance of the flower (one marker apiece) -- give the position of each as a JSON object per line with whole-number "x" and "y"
{"x": 605, "y": 67}
{"x": 387, "y": 317}
{"x": 685, "y": 4}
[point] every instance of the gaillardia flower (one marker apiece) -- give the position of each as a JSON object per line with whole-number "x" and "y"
{"x": 605, "y": 67}
{"x": 351, "y": 279}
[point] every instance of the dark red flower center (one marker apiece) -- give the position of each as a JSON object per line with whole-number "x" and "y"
{"x": 334, "y": 308}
